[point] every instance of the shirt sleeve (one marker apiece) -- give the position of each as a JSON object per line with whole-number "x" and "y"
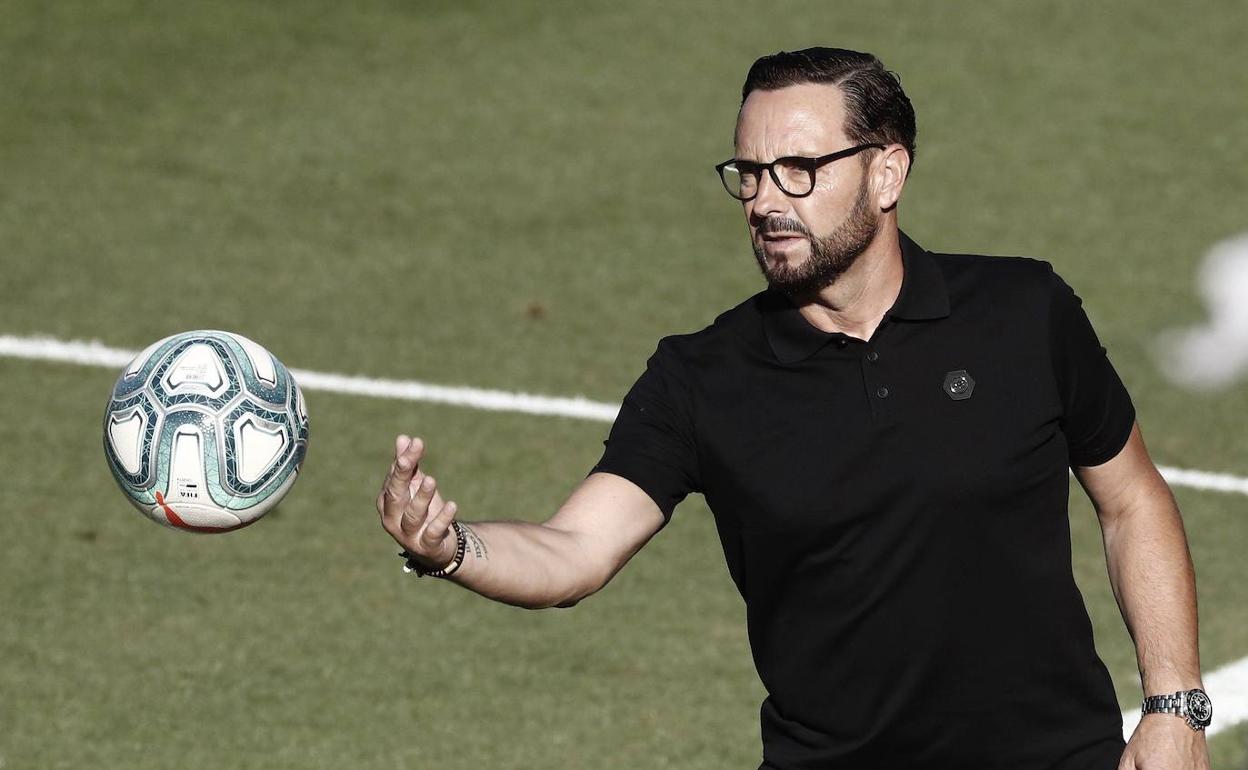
{"x": 652, "y": 441}
{"x": 1097, "y": 412}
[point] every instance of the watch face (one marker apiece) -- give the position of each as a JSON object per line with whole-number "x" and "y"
{"x": 1199, "y": 706}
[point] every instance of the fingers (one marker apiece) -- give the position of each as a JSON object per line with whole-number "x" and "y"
{"x": 395, "y": 494}
{"x": 439, "y": 526}
{"x": 412, "y": 510}
{"x": 418, "y": 509}
{"x": 415, "y": 483}
{"x": 428, "y": 520}
{"x": 407, "y": 457}
{"x": 436, "y": 502}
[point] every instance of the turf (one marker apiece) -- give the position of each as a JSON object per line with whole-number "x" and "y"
{"x": 516, "y": 196}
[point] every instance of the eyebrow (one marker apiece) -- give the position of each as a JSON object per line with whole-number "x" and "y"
{"x": 800, "y": 154}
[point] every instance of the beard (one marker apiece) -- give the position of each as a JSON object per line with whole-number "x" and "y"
{"x": 830, "y": 255}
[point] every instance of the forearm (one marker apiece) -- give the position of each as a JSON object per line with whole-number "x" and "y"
{"x": 522, "y": 563}
{"x": 1150, "y": 569}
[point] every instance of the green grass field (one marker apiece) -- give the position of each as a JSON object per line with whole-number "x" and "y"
{"x": 516, "y": 196}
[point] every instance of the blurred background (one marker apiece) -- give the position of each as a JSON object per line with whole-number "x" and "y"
{"x": 520, "y": 196}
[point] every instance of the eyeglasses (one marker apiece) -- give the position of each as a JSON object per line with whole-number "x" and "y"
{"x": 794, "y": 175}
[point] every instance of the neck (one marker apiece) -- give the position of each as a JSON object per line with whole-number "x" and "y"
{"x": 856, "y": 302}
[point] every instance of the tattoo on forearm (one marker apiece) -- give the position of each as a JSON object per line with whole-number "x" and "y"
{"x": 475, "y": 544}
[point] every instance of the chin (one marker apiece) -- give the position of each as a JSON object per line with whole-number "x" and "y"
{"x": 793, "y": 256}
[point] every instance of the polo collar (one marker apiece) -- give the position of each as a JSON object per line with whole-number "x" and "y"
{"x": 923, "y": 296}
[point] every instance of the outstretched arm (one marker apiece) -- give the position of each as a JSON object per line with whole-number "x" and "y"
{"x": 556, "y": 563}
{"x": 1150, "y": 570}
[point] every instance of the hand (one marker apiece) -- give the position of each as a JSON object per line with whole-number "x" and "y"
{"x": 411, "y": 509}
{"x": 1165, "y": 742}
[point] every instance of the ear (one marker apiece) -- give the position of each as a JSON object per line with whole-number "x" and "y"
{"x": 890, "y": 170}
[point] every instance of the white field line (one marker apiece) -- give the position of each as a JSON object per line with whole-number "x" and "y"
{"x": 98, "y": 354}
{"x": 1227, "y": 687}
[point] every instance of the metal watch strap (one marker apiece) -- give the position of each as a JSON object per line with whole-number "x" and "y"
{"x": 1163, "y": 704}
{"x": 1181, "y": 704}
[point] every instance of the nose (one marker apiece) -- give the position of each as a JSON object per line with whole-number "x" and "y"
{"x": 769, "y": 200}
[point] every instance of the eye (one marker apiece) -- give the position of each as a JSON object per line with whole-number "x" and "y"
{"x": 795, "y": 175}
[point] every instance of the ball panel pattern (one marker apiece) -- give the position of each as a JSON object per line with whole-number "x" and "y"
{"x": 267, "y": 380}
{"x": 185, "y": 409}
{"x": 172, "y": 397}
{"x": 136, "y": 374}
{"x": 140, "y": 478}
{"x": 230, "y": 423}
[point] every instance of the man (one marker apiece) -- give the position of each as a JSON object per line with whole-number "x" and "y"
{"x": 883, "y": 435}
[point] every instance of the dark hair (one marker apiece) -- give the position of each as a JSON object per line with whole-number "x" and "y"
{"x": 876, "y": 109}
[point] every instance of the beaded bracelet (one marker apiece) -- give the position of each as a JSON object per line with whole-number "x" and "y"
{"x": 411, "y": 565}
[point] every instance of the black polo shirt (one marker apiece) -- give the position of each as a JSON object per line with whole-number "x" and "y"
{"x": 894, "y": 513}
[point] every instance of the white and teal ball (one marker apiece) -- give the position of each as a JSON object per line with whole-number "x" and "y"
{"x": 205, "y": 431}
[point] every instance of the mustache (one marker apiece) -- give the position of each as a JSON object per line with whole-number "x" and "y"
{"x": 782, "y": 225}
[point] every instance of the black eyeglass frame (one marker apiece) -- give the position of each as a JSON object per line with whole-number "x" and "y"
{"x": 810, "y": 165}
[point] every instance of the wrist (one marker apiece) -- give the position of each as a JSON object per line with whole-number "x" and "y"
{"x": 1169, "y": 682}
{"x": 413, "y": 564}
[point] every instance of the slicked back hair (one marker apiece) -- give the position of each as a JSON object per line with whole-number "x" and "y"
{"x": 876, "y": 109}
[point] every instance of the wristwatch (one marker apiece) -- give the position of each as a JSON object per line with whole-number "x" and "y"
{"x": 1193, "y": 705}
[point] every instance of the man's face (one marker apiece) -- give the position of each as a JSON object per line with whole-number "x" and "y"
{"x": 804, "y": 244}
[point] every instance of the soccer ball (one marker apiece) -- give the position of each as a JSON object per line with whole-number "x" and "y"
{"x": 205, "y": 431}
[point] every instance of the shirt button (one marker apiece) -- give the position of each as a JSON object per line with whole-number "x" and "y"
{"x": 842, "y": 342}
{"x": 882, "y": 392}
{"x": 872, "y": 356}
